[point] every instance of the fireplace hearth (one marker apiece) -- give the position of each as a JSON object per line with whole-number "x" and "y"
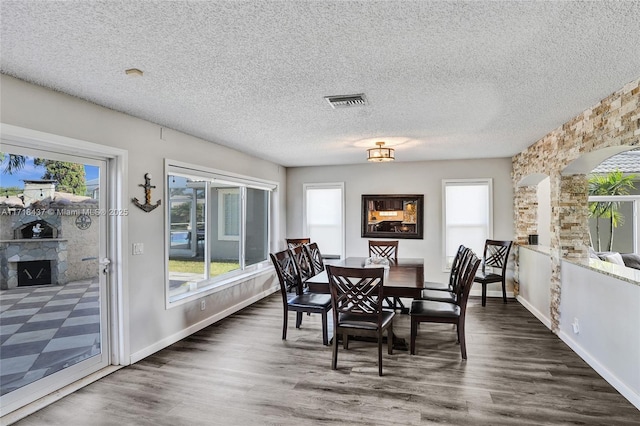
{"x": 37, "y": 272}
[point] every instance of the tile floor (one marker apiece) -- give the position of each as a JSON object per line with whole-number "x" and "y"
{"x": 45, "y": 329}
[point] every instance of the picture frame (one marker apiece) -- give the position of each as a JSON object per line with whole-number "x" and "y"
{"x": 395, "y": 216}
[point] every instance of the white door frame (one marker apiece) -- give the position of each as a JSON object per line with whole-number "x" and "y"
{"x": 116, "y": 159}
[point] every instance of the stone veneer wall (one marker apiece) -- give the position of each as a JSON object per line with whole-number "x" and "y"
{"x": 614, "y": 121}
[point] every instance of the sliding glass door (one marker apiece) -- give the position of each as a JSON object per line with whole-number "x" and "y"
{"x": 53, "y": 271}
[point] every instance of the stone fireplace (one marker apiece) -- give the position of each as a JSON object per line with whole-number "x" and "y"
{"x": 35, "y": 256}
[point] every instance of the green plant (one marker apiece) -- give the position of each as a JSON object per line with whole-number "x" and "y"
{"x": 612, "y": 184}
{"x": 70, "y": 177}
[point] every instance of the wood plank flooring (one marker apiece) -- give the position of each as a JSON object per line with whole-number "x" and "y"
{"x": 240, "y": 372}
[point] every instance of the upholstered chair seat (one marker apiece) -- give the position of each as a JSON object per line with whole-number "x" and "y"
{"x": 432, "y": 308}
{"x": 439, "y": 296}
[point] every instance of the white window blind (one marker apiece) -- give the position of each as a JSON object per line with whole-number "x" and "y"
{"x": 467, "y": 216}
{"x": 324, "y": 213}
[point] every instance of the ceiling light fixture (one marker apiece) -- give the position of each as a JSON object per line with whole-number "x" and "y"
{"x": 380, "y": 153}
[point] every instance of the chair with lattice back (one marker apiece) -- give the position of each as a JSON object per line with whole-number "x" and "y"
{"x": 448, "y": 286}
{"x": 314, "y": 257}
{"x": 356, "y": 300}
{"x": 293, "y": 296}
{"x": 444, "y": 312}
{"x": 302, "y": 262}
{"x": 386, "y": 249}
{"x": 295, "y": 242}
{"x": 496, "y": 256}
{"x": 452, "y": 292}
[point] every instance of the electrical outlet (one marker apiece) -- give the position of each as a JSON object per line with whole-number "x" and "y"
{"x": 203, "y": 305}
{"x": 576, "y": 326}
{"x": 138, "y": 248}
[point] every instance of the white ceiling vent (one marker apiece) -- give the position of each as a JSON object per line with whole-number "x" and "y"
{"x": 346, "y": 101}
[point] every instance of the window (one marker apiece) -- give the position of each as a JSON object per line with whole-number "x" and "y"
{"x": 218, "y": 229}
{"x": 229, "y": 213}
{"x": 467, "y": 215}
{"x": 626, "y": 225}
{"x": 324, "y": 217}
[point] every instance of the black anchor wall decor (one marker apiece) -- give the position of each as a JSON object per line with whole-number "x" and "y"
{"x": 147, "y": 206}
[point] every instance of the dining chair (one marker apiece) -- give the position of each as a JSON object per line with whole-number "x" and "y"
{"x": 356, "y": 300}
{"x": 455, "y": 280}
{"x": 496, "y": 255}
{"x": 387, "y": 249}
{"x": 294, "y": 298}
{"x": 448, "y": 286}
{"x": 302, "y": 262}
{"x": 294, "y": 242}
{"x": 444, "y": 312}
{"x": 314, "y": 257}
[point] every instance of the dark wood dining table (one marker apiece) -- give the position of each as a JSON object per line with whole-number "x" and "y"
{"x": 405, "y": 278}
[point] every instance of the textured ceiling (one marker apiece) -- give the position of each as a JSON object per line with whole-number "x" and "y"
{"x": 443, "y": 80}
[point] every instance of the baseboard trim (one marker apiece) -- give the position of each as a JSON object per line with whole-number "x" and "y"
{"x": 149, "y": 350}
{"x": 618, "y": 384}
{"x": 541, "y": 317}
{"x": 492, "y": 293}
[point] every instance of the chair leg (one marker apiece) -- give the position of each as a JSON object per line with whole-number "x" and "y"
{"x": 380, "y": 353}
{"x": 504, "y": 290}
{"x": 334, "y": 360}
{"x": 325, "y": 333}
{"x": 284, "y": 325}
{"x": 345, "y": 340}
{"x": 390, "y": 339}
{"x": 484, "y": 294}
{"x": 414, "y": 332}
{"x": 298, "y": 319}
{"x": 463, "y": 344}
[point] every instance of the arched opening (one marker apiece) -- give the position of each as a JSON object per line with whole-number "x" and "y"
{"x": 614, "y": 198}
{"x": 541, "y": 184}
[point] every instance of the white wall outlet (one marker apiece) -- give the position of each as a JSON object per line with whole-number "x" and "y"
{"x": 203, "y": 305}
{"x": 576, "y": 326}
{"x": 138, "y": 248}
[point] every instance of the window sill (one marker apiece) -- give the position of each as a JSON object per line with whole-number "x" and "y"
{"x": 218, "y": 286}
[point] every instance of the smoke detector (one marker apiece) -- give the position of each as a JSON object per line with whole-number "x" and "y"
{"x": 346, "y": 101}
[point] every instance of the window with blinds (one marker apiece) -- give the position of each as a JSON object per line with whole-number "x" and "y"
{"x": 467, "y": 215}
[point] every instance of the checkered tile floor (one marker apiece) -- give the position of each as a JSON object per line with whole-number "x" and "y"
{"x": 45, "y": 329}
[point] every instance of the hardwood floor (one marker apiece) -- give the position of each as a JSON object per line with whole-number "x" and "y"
{"x": 240, "y": 372}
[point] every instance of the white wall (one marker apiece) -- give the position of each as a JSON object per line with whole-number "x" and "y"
{"x": 534, "y": 275}
{"x": 606, "y": 309}
{"x": 405, "y": 178}
{"x": 151, "y": 325}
